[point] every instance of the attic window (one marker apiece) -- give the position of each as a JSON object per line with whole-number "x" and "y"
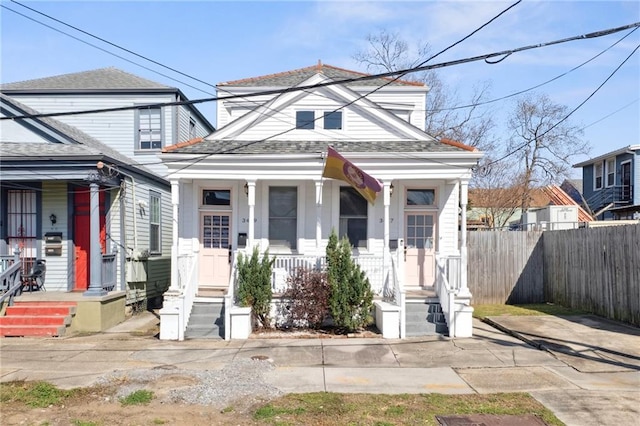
{"x": 333, "y": 120}
{"x": 305, "y": 120}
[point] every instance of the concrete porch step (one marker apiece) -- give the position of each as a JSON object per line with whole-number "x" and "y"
{"x": 37, "y": 318}
{"x": 424, "y": 316}
{"x": 206, "y": 321}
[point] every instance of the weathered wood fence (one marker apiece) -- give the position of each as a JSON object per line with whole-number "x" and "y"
{"x": 596, "y": 270}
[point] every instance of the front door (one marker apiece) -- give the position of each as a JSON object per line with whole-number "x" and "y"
{"x": 82, "y": 235}
{"x": 215, "y": 232}
{"x": 419, "y": 249}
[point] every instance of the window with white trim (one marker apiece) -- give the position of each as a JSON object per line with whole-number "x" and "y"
{"x": 333, "y": 120}
{"x": 305, "y": 120}
{"x": 611, "y": 172}
{"x": 283, "y": 216}
{"x": 149, "y": 126}
{"x": 155, "y": 225}
{"x": 353, "y": 217}
{"x": 597, "y": 175}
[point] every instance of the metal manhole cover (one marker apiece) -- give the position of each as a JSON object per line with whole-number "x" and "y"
{"x": 490, "y": 420}
{"x": 259, "y": 357}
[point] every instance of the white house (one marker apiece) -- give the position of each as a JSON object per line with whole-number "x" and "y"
{"x": 257, "y": 181}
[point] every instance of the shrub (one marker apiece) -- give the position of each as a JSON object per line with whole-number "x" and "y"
{"x": 308, "y": 297}
{"x": 254, "y": 285}
{"x": 351, "y": 299}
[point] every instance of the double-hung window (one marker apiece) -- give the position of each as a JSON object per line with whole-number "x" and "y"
{"x": 611, "y": 172}
{"x": 149, "y": 128}
{"x": 283, "y": 216}
{"x": 155, "y": 225}
{"x": 353, "y": 217}
{"x": 597, "y": 172}
{"x": 305, "y": 120}
{"x": 333, "y": 120}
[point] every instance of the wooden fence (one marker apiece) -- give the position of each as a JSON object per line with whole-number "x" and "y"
{"x": 505, "y": 267}
{"x": 595, "y": 270}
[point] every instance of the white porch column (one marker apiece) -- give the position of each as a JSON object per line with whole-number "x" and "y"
{"x": 251, "y": 201}
{"x": 318, "y": 215}
{"x": 95, "y": 260}
{"x": 386, "y": 196}
{"x": 464, "y": 197}
{"x": 175, "y": 203}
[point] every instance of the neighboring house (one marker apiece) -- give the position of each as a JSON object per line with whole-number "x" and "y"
{"x": 51, "y": 169}
{"x": 550, "y": 207}
{"x": 257, "y": 181}
{"x": 611, "y": 182}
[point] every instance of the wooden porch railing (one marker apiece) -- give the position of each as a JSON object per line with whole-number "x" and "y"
{"x": 447, "y": 285}
{"x": 109, "y": 268}
{"x": 10, "y": 278}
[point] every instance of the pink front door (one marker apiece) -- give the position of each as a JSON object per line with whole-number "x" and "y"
{"x": 215, "y": 234}
{"x": 420, "y": 231}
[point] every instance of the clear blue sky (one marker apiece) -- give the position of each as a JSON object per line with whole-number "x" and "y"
{"x": 220, "y": 41}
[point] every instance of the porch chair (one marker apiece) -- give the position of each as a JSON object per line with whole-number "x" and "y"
{"x": 34, "y": 280}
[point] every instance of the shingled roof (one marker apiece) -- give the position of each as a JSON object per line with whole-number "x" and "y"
{"x": 295, "y": 77}
{"x": 248, "y": 147}
{"x": 111, "y": 79}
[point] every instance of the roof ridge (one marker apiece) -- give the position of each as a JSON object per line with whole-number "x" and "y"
{"x": 319, "y": 68}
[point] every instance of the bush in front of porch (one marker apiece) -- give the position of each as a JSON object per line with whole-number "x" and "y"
{"x": 254, "y": 285}
{"x": 307, "y": 298}
{"x": 351, "y": 300}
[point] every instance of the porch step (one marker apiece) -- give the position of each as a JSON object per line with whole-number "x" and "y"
{"x": 206, "y": 321}
{"x": 33, "y": 319}
{"x": 424, "y": 317}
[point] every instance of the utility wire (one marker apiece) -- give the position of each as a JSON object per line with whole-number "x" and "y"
{"x": 343, "y": 81}
{"x": 612, "y": 113}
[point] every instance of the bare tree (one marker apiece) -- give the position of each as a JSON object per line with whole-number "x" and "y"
{"x": 543, "y": 141}
{"x": 388, "y": 52}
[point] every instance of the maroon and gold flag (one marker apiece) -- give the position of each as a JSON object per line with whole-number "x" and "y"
{"x": 338, "y": 167}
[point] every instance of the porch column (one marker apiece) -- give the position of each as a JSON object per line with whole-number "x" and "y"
{"x": 464, "y": 199}
{"x": 175, "y": 200}
{"x": 95, "y": 280}
{"x": 318, "y": 215}
{"x": 386, "y": 195}
{"x": 251, "y": 201}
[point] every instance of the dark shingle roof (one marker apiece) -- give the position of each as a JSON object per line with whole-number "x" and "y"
{"x": 308, "y": 147}
{"x": 100, "y": 79}
{"x": 295, "y": 77}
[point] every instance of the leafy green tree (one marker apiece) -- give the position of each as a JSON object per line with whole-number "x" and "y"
{"x": 254, "y": 285}
{"x": 351, "y": 299}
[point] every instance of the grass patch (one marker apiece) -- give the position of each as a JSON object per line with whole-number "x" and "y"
{"x": 83, "y": 423}
{"x": 139, "y": 397}
{"x": 34, "y": 394}
{"x": 319, "y": 408}
{"x": 483, "y": 311}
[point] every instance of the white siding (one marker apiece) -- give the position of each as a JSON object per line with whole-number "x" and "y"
{"x": 54, "y": 201}
{"x": 11, "y": 131}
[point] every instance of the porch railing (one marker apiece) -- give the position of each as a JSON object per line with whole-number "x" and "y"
{"x": 285, "y": 265}
{"x": 447, "y": 284}
{"x": 230, "y": 297}
{"x": 11, "y": 279}
{"x": 109, "y": 271}
{"x": 399, "y": 295}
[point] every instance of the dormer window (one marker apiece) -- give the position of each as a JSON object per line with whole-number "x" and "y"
{"x": 305, "y": 120}
{"x": 333, "y": 120}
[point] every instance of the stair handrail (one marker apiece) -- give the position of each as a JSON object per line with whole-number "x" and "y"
{"x": 12, "y": 279}
{"x": 399, "y": 296}
{"x": 229, "y": 298}
{"x": 446, "y": 294}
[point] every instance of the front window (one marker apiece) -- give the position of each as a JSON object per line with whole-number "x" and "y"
{"x": 598, "y": 176}
{"x": 611, "y": 172}
{"x": 353, "y": 217}
{"x": 283, "y": 216}
{"x": 333, "y": 120}
{"x": 21, "y": 224}
{"x": 154, "y": 222}
{"x": 421, "y": 197}
{"x": 150, "y": 128}
{"x": 305, "y": 120}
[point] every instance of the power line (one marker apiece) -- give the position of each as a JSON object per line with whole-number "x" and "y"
{"x": 612, "y": 113}
{"x": 503, "y": 53}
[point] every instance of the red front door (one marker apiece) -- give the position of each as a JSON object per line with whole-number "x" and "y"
{"x": 82, "y": 235}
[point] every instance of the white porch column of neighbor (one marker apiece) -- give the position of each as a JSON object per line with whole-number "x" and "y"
{"x": 95, "y": 281}
{"x": 318, "y": 216}
{"x": 386, "y": 195}
{"x": 172, "y": 306}
{"x": 251, "y": 200}
{"x": 464, "y": 310}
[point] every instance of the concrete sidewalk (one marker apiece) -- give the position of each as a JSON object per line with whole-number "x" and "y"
{"x": 591, "y": 378}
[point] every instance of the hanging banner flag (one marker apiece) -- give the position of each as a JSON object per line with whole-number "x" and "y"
{"x": 338, "y": 167}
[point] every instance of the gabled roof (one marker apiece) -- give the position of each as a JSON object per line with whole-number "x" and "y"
{"x": 295, "y": 77}
{"x": 560, "y": 198}
{"x": 111, "y": 79}
{"x": 85, "y": 145}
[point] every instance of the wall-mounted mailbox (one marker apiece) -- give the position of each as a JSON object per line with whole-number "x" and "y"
{"x": 393, "y": 244}
{"x": 53, "y": 244}
{"x": 242, "y": 240}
